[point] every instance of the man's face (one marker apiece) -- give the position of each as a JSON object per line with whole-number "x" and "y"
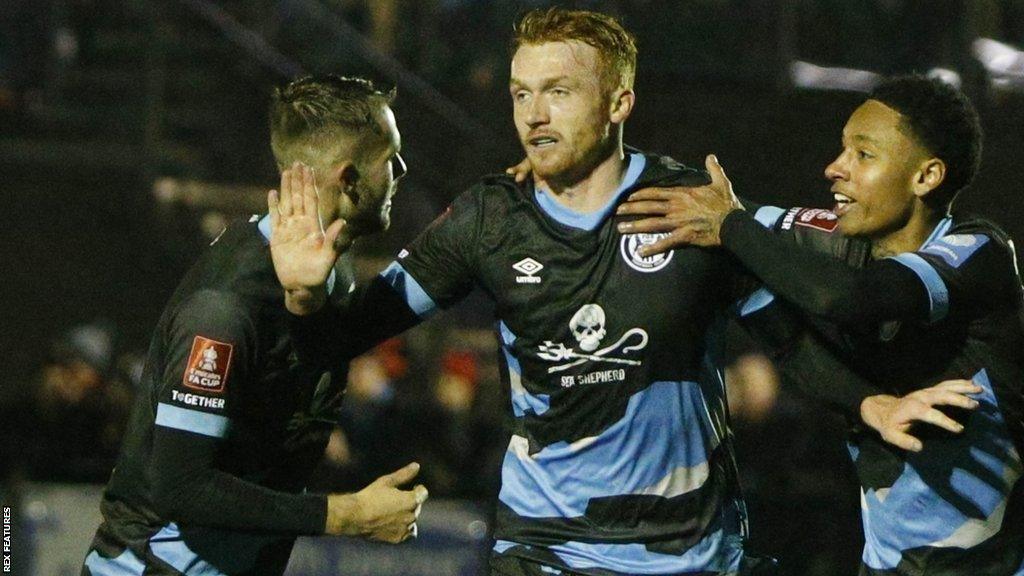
{"x": 560, "y": 108}
{"x": 874, "y": 174}
{"x": 380, "y": 166}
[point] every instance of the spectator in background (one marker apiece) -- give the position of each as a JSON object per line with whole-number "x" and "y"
{"x": 81, "y": 407}
{"x": 803, "y": 460}
{"x": 453, "y": 433}
{"x": 437, "y": 415}
{"x": 366, "y": 444}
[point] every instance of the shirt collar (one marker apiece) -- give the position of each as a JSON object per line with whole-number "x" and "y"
{"x": 590, "y": 220}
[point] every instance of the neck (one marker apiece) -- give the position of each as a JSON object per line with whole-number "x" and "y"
{"x": 908, "y": 238}
{"x": 591, "y": 191}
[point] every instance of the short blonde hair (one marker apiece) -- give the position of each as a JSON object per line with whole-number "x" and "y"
{"x": 616, "y": 46}
{"x": 311, "y": 116}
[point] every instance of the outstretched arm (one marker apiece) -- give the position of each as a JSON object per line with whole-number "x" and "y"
{"x": 807, "y": 360}
{"x": 712, "y": 215}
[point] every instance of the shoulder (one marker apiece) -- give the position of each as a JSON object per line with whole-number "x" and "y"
{"x": 213, "y": 313}
{"x": 492, "y": 196}
{"x": 662, "y": 170}
{"x": 968, "y": 237}
{"x": 495, "y": 189}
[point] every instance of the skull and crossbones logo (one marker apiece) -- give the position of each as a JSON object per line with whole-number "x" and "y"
{"x": 588, "y": 326}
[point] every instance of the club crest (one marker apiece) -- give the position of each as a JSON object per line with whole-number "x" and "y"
{"x": 630, "y": 246}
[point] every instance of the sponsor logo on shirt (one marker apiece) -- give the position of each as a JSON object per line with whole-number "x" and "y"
{"x": 208, "y": 365}
{"x": 589, "y": 329}
{"x": 197, "y": 400}
{"x": 598, "y": 377}
{"x": 529, "y": 268}
{"x": 955, "y": 249}
{"x": 630, "y": 245}
{"x": 817, "y": 218}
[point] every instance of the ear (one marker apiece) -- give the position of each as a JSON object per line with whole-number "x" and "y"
{"x": 621, "y": 105}
{"x": 346, "y": 175}
{"x": 930, "y": 174}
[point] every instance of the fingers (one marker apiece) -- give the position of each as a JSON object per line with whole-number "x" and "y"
{"x": 298, "y": 181}
{"x": 659, "y": 193}
{"x": 949, "y": 398}
{"x": 272, "y": 202}
{"x": 285, "y": 206}
{"x": 333, "y": 231}
{"x": 937, "y": 418}
{"x": 904, "y": 441}
{"x": 663, "y": 245}
{"x": 960, "y": 386}
{"x": 647, "y": 225}
{"x": 521, "y": 171}
{"x": 410, "y": 531}
{"x": 949, "y": 393}
{"x": 421, "y": 494}
{"x": 646, "y": 207}
{"x": 416, "y": 496}
{"x": 401, "y": 476}
{"x": 310, "y": 193}
{"x": 715, "y": 170}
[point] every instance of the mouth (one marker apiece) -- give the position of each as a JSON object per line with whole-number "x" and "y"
{"x": 843, "y": 203}
{"x": 542, "y": 141}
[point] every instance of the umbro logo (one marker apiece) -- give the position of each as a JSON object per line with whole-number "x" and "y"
{"x": 529, "y": 268}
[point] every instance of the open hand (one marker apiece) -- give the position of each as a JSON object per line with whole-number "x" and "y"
{"x": 302, "y": 250}
{"x": 893, "y": 417}
{"x": 690, "y": 215}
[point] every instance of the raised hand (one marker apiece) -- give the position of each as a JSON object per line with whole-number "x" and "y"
{"x": 690, "y": 216}
{"x": 381, "y": 511}
{"x": 893, "y": 417}
{"x": 302, "y": 250}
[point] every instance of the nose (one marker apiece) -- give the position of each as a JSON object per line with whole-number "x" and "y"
{"x": 837, "y": 169}
{"x": 537, "y": 113}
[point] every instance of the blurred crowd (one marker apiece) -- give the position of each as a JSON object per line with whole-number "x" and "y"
{"x": 435, "y": 396}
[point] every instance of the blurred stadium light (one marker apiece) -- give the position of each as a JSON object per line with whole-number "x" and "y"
{"x": 1004, "y": 63}
{"x": 813, "y": 77}
{"x": 810, "y": 76}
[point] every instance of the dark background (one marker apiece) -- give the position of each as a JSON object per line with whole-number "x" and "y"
{"x": 130, "y": 130}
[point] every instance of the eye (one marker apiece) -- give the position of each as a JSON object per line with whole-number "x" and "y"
{"x": 521, "y": 96}
{"x": 559, "y": 92}
{"x": 864, "y": 155}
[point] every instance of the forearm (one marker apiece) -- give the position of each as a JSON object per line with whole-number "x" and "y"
{"x": 338, "y": 332}
{"x": 188, "y": 489}
{"x": 818, "y": 283}
{"x": 818, "y": 374}
{"x": 805, "y": 357}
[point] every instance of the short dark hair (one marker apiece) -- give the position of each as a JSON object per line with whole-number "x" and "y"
{"x": 315, "y": 111}
{"x": 942, "y": 120}
{"x": 616, "y": 46}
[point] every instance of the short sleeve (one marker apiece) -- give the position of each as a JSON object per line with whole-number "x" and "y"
{"x": 438, "y": 268}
